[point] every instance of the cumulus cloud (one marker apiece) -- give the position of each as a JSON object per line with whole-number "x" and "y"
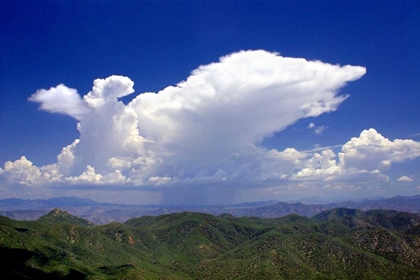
{"x": 372, "y": 151}
{"x": 207, "y": 131}
{"x": 108, "y": 89}
{"x": 22, "y": 171}
{"x": 405, "y": 179}
{"x": 61, "y": 99}
{"x": 368, "y": 156}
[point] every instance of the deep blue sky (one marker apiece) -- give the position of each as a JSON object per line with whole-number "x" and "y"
{"x": 158, "y": 43}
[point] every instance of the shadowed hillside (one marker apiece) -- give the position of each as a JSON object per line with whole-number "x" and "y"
{"x": 337, "y": 244}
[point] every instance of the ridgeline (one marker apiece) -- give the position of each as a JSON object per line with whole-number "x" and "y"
{"x": 337, "y": 244}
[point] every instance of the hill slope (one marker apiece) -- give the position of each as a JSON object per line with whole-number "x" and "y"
{"x": 338, "y": 244}
{"x": 59, "y": 216}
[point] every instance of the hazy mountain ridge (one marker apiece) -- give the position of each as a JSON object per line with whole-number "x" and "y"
{"x": 25, "y": 204}
{"x": 337, "y": 244}
{"x": 102, "y": 213}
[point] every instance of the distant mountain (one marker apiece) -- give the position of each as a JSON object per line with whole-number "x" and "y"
{"x": 312, "y": 200}
{"x": 279, "y": 210}
{"x": 102, "y": 213}
{"x": 336, "y": 244}
{"x": 25, "y": 215}
{"x": 11, "y": 204}
{"x": 398, "y": 203}
{"x": 254, "y": 204}
{"x": 71, "y": 201}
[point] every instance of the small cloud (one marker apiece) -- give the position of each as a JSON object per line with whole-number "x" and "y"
{"x": 414, "y": 135}
{"x": 320, "y": 129}
{"x": 404, "y": 179}
{"x": 317, "y": 129}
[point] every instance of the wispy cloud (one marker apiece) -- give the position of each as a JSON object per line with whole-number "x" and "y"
{"x": 414, "y": 135}
{"x": 319, "y": 148}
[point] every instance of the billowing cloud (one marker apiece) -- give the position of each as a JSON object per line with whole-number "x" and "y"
{"x": 372, "y": 151}
{"x": 108, "y": 89}
{"x": 22, "y": 171}
{"x": 61, "y": 99}
{"x": 368, "y": 156}
{"x": 207, "y": 131}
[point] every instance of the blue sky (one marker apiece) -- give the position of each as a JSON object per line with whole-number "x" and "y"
{"x": 227, "y": 146}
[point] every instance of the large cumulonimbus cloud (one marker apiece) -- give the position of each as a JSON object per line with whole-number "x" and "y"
{"x": 207, "y": 129}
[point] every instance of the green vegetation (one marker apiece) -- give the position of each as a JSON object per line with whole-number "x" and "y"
{"x": 336, "y": 244}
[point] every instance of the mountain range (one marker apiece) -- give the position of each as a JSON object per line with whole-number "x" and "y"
{"x": 340, "y": 243}
{"x": 102, "y": 213}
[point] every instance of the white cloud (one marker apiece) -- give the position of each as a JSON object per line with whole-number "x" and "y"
{"x": 320, "y": 129}
{"x": 404, "y": 179}
{"x": 317, "y": 129}
{"x": 108, "y": 89}
{"x": 366, "y": 157}
{"x": 320, "y": 166}
{"x": 22, "y": 172}
{"x": 61, "y": 99}
{"x": 88, "y": 176}
{"x": 372, "y": 151}
{"x": 207, "y": 130}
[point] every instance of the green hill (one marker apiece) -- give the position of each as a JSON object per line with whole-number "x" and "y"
{"x": 338, "y": 244}
{"x": 337, "y": 213}
{"x": 60, "y": 216}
